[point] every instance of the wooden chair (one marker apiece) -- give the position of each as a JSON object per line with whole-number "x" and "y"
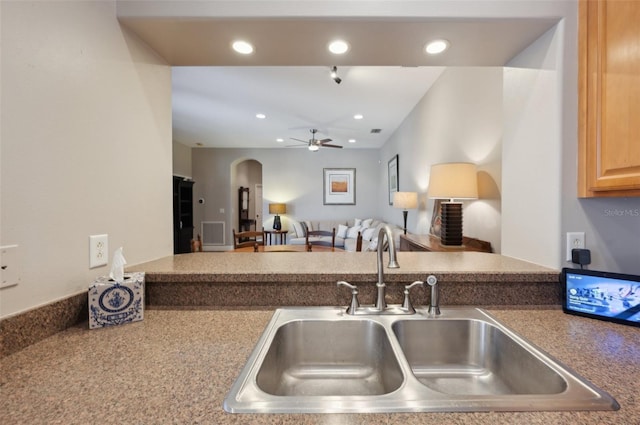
{"x": 196, "y": 244}
{"x": 244, "y": 239}
{"x": 332, "y": 244}
{"x": 359, "y": 242}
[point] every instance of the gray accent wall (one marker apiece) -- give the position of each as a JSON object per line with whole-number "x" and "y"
{"x": 290, "y": 175}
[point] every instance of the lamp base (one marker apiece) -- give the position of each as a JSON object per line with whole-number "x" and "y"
{"x": 277, "y": 225}
{"x": 404, "y": 214}
{"x": 451, "y": 229}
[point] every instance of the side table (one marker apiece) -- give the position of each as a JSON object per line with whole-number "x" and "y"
{"x": 282, "y": 233}
{"x": 432, "y": 243}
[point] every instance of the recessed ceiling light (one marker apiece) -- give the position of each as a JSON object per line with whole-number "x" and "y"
{"x": 261, "y": 116}
{"x": 279, "y": 140}
{"x": 338, "y": 47}
{"x": 352, "y": 140}
{"x": 436, "y": 46}
{"x": 242, "y": 47}
{"x": 358, "y": 116}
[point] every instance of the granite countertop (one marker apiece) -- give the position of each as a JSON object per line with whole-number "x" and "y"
{"x": 327, "y": 266}
{"x": 176, "y": 366}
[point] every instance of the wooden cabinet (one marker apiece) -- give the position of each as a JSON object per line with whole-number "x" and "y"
{"x": 432, "y": 243}
{"x": 182, "y": 215}
{"x": 609, "y": 98}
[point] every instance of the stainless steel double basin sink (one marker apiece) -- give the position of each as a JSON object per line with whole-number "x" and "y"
{"x": 321, "y": 360}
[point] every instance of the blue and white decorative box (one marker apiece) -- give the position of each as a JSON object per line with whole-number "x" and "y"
{"x": 111, "y": 303}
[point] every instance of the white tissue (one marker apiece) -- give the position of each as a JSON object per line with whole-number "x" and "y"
{"x": 117, "y": 266}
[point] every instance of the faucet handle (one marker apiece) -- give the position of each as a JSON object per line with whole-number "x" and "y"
{"x": 406, "y": 304}
{"x": 354, "y": 296}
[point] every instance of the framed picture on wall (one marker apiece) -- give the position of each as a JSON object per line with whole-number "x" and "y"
{"x": 339, "y": 186}
{"x": 393, "y": 177}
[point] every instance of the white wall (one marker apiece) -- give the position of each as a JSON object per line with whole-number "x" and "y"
{"x": 531, "y": 154}
{"x": 293, "y": 176}
{"x": 181, "y": 160}
{"x": 458, "y": 120}
{"x": 86, "y": 146}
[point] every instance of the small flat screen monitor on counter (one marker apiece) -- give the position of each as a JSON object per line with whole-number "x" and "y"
{"x": 613, "y": 297}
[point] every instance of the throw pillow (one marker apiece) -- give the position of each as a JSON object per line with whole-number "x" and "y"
{"x": 357, "y": 222}
{"x": 373, "y": 245}
{"x": 298, "y": 229}
{"x": 368, "y": 233}
{"x": 342, "y": 231}
{"x": 367, "y": 223}
{"x": 308, "y": 226}
{"x": 352, "y": 232}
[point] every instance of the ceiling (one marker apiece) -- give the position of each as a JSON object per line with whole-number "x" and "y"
{"x": 217, "y": 93}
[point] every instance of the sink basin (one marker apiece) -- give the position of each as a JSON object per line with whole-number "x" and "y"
{"x": 473, "y": 357}
{"x": 321, "y": 360}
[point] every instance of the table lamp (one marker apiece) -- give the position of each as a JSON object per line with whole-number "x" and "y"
{"x": 456, "y": 180}
{"x": 277, "y": 209}
{"x": 405, "y": 201}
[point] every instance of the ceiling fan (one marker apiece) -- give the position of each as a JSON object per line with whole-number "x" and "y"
{"x": 314, "y": 144}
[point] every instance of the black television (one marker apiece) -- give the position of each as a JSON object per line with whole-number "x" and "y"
{"x": 613, "y": 297}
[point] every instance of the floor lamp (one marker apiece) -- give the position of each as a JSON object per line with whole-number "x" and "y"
{"x": 405, "y": 201}
{"x": 456, "y": 180}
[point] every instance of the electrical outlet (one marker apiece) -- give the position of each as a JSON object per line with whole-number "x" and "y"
{"x": 574, "y": 240}
{"x": 9, "y": 272}
{"x": 98, "y": 250}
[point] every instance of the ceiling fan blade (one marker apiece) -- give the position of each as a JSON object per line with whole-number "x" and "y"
{"x": 301, "y": 141}
{"x": 323, "y": 141}
{"x": 331, "y": 146}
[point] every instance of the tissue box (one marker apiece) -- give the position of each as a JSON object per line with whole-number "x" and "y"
{"x": 111, "y": 303}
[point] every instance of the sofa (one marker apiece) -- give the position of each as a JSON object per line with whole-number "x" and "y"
{"x": 346, "y": 232}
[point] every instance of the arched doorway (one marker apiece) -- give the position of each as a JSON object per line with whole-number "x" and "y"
{"x": 247, "y": 211}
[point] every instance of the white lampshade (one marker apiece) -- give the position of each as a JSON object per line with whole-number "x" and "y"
{"x": 405, "y": 200}
{"x": 454, "y": 180}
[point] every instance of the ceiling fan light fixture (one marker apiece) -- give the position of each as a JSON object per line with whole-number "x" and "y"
{"x": 242, "y": 47}
{"x": 314, "y": 148}
{"x": 436, "y": 46}
{"x": 338, "y": 47}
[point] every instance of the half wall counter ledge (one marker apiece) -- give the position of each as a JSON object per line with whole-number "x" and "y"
{"x": 290, "y": 279}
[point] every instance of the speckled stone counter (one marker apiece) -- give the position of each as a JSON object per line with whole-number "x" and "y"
{"x": 309, "y": 278}
{"x": 234, "y": 279}
{"x": 176, "y": 366}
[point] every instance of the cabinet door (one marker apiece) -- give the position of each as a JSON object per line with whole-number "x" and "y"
{"x": 609, "y": 157}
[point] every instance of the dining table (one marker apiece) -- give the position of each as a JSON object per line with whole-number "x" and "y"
{"x": 287, "y": 248}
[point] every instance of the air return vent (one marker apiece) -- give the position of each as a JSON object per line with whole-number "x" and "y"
{"x": 212, "y": 233}
{"x": 376, "y": 130}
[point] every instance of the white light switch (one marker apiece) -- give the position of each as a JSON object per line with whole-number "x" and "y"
{"x": 9, "y": 273}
